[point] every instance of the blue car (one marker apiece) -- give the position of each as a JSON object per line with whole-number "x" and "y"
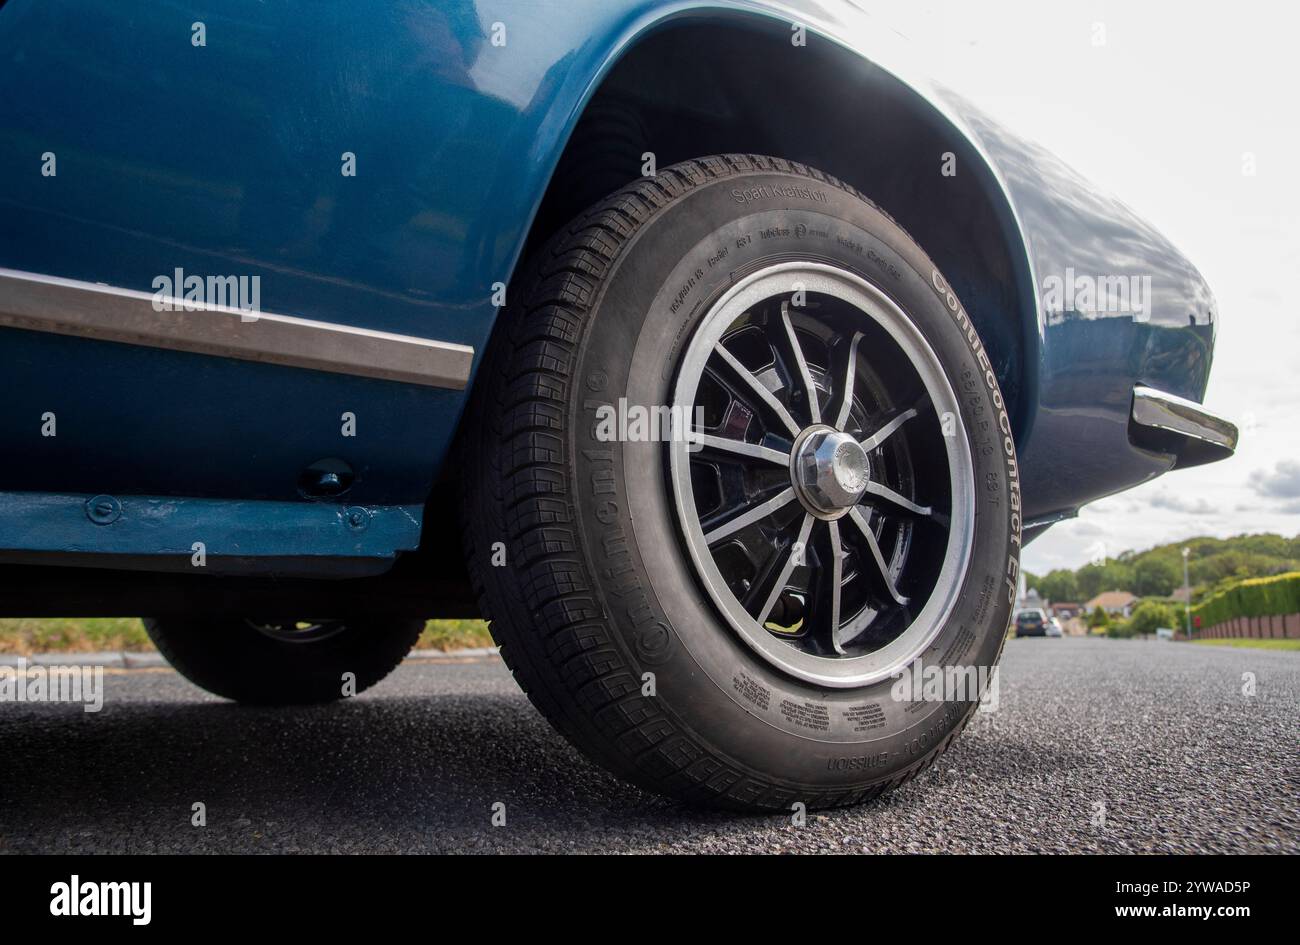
{"x": 706, "y": 348}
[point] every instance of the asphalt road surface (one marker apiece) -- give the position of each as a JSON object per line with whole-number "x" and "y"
{"x": 1161, "y": 734}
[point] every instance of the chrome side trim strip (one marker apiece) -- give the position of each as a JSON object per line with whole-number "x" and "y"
{"x": 89, "y": 310}
{"x": 1196, "y": 435}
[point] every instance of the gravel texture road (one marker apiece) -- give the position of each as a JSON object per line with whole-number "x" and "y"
{"x": 1096, "y": 746}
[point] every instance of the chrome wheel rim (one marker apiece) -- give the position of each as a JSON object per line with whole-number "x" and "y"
{"x": 827, "y": 501}
{"x": 297, "y": 631}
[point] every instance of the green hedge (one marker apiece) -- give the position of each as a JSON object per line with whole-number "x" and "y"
{"x": 1257, "y": 597}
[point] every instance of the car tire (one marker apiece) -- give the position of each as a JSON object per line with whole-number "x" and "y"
{"x": 588, "y": 550}
{"x": 283, "y": 662}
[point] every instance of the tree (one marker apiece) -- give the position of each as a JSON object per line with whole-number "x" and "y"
{"x": 1149, "y": 616}
{"x": 1089, "y": 579}
{"x": 1058, "y": 585}
{"x": 1098, "y": 618}
{"x": 1214, "y": 564}
{"x": 1155, "y": 577}
{"x": 1109, "y": 575}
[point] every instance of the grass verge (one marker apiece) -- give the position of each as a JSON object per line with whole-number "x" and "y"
{"x": 1249, "y": 644}
{"x": 27, "y": 635}
{"x": 23, "y": 636}
{"x": 448, "y": 635}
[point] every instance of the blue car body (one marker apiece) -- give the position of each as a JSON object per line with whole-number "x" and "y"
{"x": 223, "y": 150}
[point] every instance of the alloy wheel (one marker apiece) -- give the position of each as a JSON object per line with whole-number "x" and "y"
{"x": 825, "y": 488}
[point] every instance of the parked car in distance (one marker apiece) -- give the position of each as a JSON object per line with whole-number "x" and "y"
{"x": 1031, "y": 623}
{"x": 1054, "y": 628}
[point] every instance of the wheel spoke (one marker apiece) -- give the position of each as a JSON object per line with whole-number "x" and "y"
{"x": 757, "y": 387}
{"x": 871, "y": 442}
{"x": 740, "y": 448}
{"x": 850, "y": 371}
{"x": 889, "y": 495}
{"x": 797, "y": 550}
{"x": 837, "y": 576}
{"x": 809, "y": 389}
{"x": 779, "y": 501}
{"x": 861, "y": 521}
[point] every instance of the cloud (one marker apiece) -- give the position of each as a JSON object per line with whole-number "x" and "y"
{"x": 1181, "y": 503}
{"x": 1086, "y": 529}
{"x": 1282, "y": 483}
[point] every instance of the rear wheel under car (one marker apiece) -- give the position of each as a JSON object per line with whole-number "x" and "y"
{"x": 264, "y": 661}
{"x": 734, "y": 462}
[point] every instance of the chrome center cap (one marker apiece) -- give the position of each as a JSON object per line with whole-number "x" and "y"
{"x": 829, "y": 470}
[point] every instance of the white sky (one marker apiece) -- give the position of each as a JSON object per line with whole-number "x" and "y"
{"x": 1161, "y": 116}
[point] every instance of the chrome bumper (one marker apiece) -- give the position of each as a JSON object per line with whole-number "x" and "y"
{"x": 1169, "y": 424}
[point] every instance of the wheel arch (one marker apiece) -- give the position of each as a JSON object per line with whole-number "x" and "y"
{"x": 705, "y": 82}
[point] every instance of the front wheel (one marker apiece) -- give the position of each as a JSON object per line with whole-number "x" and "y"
{"x": 283, "y": 662}
{"x": 754, "y": 482}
